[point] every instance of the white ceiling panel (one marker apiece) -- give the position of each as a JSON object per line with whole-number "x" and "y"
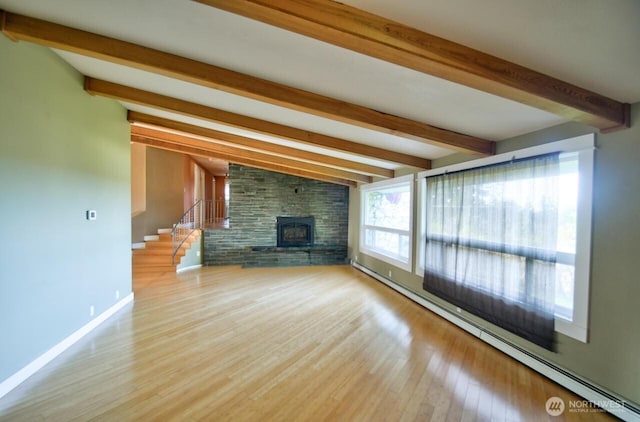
{"x": 248, "y": 107}
{"x": 589, "y": 43}
{"x": 245, "y": 133}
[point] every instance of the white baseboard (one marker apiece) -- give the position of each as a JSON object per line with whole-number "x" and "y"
{"x": 192, "y": 267}
{"x": 593, "y": 393}
{"x": 16, "y": 379}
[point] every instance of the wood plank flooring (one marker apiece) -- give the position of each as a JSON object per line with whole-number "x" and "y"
{"x": 285, "y": 344}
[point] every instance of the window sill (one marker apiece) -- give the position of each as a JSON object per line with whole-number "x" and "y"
{"x": 571, "y": 329}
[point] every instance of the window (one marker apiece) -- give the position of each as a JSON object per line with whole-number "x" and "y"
{"x": 386, "y": 221}
{"x": 570, "y": 245}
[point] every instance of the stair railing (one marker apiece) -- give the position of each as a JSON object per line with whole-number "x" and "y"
{"x": 215, "y": 213}
{"x": 190, "y": 221}
{"x": 203, "y": 214}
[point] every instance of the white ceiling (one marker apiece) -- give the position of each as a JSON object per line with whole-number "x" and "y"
{"x": 589, "y": 43}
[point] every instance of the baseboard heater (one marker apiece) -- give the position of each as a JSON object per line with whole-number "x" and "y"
{"x": 597, "y": 395}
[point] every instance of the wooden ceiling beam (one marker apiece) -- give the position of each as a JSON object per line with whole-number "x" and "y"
{"x": 378, "y": 37}
{"x": 186, "y": 108}
{"x": 233, "y": 154}
{"x": 225, "y": 138}
{"x": 199, "y": 111}
{"x": 20, "y": 27}
{"x": 183, "y": 149}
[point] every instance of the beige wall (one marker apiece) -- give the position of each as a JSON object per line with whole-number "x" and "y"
{"x": 164, "y": 193}
{"x": 138, "y": 179}
{"x": 220, "y": 184}
{"x": 611, "y": 358}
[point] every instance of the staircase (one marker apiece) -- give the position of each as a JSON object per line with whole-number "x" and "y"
{"x": 156, "y": 253}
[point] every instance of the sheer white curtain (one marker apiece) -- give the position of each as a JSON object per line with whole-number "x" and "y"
{"x": 491, "y": 243}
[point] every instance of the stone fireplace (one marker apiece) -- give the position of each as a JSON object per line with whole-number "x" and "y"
{"x": 295, "y": 231}
{"x": 261, "y": 198}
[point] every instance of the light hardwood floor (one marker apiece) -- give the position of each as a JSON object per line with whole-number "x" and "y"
{"x": 286, "y": 344}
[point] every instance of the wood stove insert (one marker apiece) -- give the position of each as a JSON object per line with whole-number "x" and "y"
{"x": 295, "y": 231}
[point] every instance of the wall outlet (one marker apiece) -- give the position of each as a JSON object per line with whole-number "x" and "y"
{"x": 356, "y": 258}
{"x": 390, "y": 274}
{"x": 197, "y": 253}
{"x": 117, "y": 294}
{"x": 92, "y": 215}
{"x": 459, "y": 310}
{"x": 91, "y": 310}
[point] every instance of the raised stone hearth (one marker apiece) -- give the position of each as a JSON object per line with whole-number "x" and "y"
{"x": 295, "y": 256}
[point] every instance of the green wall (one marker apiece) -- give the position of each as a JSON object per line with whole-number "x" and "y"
{"x": 611, "y": 358}
{"x": 193, "y": 255}
{"x": 62, "y": 152}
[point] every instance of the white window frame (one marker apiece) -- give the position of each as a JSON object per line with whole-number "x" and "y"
{"x": 385, "y": 184}
{"x": 585, "y": 145}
